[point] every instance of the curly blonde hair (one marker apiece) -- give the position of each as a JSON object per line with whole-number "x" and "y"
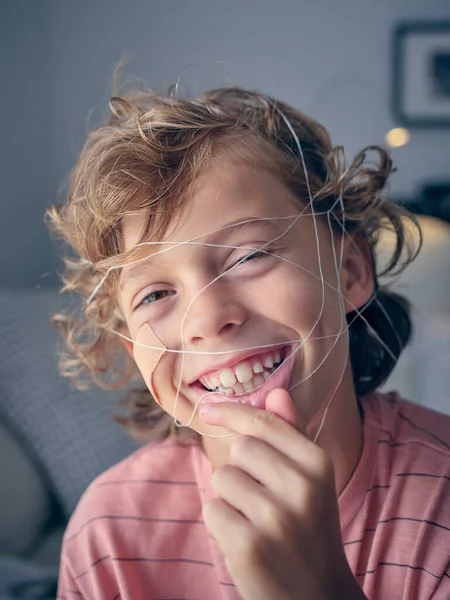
{"x": 148, "y": 155}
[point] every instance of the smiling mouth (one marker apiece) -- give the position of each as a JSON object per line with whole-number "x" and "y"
{"x": 244, "y": 377}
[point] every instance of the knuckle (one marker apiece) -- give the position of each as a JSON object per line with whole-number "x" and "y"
{"x": 242, "y": 446}
{"x": 221, "y": 476}
{"x": 253, "y": 549}
{"x": 278, "y": 522}
{"x": 262, "y": 418}
{"x": 210, "y": 510}
{"x": 324, "y": 467}
{"x": 321, "y": 467}
{"x": 295, "y": 490}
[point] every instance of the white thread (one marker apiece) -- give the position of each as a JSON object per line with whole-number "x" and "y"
{"x": 300, "y": 342}
{"x": 290, "y": 342}
{"x": 209, "y": 284}
{"x": 311, "y": 204}
{"x": 175, "y": 245}
{"x": 343, "y": 318}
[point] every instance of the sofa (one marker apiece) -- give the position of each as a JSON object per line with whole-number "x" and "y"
{"x": 54, "y": 441}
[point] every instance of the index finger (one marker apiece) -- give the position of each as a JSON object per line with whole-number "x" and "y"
{"x": 262, "y": 424}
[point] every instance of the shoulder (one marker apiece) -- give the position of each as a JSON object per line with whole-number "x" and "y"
{"x": 411, "y": 459}
{"x": 140, "y": 507}
{"x": 403, "y": 423}
{"x": 411, "y": 450}
{"x": 405, "y": 518}
{"x": 150, "y": 476}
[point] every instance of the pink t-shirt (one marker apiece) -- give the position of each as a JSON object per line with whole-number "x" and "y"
{"x": 138, "y": 533}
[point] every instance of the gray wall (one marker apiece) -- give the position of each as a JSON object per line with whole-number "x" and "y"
{"x": 330, "y": 58}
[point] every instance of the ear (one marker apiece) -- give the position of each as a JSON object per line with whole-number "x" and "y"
{"x": 357, "y": 273}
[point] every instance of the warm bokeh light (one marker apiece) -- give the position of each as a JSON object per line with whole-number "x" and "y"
{"x": 397, "y": 137}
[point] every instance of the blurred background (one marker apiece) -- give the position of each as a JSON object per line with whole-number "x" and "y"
{"x": 371, "y": 72}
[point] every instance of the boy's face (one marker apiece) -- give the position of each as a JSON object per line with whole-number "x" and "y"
{"x": 258, "y": 313}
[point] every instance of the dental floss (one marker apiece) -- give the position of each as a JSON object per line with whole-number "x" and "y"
{"x": 157, "y": 344}
{"x": 154, "y": 362}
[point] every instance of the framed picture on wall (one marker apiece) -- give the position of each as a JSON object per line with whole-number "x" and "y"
{"x": 421, "y": 74}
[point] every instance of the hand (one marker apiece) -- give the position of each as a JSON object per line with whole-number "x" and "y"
{"x": 276, "y": 517}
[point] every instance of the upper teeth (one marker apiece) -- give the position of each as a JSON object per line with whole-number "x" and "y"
{"x": 244, "y": 376}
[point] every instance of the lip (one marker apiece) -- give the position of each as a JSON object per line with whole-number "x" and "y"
{"x": 280, "y": 379}
{"x": 234, "y": 360}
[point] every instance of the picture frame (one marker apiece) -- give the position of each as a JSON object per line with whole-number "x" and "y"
{"x": 421, "y": 74}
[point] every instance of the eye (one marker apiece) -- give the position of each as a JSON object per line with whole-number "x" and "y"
{"x": 253, "y": 255}
{"x": 154, "y": 297}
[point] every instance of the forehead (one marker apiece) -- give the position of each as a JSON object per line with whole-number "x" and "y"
{"x": 222, "y": 195}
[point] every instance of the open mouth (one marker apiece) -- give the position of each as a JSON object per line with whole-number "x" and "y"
{"x": 248, "y": 381}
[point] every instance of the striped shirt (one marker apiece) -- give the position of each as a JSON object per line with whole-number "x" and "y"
{"x": 138, "y": 533}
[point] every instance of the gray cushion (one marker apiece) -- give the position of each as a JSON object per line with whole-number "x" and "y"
{"x": 69, "y": 435}
{"x": 24, "y": 499}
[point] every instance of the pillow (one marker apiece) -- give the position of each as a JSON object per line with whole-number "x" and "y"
{"x": 25, "y": 502}
{"x": 70, "y": 435}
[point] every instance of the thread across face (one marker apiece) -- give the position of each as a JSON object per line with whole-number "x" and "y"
{"x": 255, "y": 308}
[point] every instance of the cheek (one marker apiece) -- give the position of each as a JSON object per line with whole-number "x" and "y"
{"x": 157, "y": 367}
{"x": 298, "y": 297}
{"x": 148, "y": 352}
{"x": 304, "y": 304}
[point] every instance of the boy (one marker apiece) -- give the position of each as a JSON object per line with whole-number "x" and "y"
{"x": 226, "y": 245}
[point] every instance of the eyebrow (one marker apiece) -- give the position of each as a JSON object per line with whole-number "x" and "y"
{"x": 137, "y": 270}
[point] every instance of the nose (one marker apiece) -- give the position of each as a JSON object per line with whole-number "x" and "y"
{"x": 213, "y": 313}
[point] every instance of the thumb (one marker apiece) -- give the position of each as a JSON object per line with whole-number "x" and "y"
{"x": 280, "y": 403}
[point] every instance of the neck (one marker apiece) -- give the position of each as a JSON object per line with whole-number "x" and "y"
{"x": 342, "y": 438}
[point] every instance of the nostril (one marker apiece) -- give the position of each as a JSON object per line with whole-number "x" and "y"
{"x": 227, "y": 327}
